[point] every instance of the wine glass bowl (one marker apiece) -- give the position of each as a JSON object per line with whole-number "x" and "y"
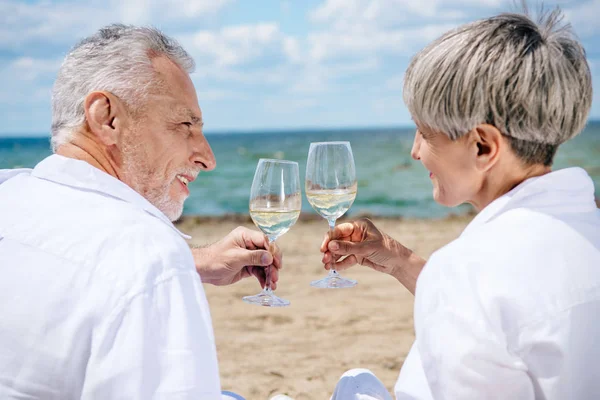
{"x": 275, "y": 204}
{"x": 331, "y": 188}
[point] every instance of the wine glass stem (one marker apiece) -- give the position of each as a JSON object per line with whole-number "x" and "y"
{"x": 267, "y": 288}
{"x": 332, "y": 271}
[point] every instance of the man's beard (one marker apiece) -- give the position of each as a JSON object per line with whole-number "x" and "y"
{"x": 142, "y": 178}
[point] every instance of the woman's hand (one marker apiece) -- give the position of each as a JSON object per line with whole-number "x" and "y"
{"x": 361, "y": 242}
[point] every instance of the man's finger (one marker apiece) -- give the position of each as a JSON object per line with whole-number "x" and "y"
{"x": 254, "y": 239}
{"x": 277, "y": 256}
{"x": 260, "y": 258}
{"x": 259, "y": 273}
{"x": 274, "y": 277}
{"x": 248, "y": 243}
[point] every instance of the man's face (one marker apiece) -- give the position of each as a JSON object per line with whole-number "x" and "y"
{"x": 166, "y": 148}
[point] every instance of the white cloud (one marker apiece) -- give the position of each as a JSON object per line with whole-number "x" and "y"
{"x": 358, "y": 43}
{"x": 195, "y": 8}
{"x": 584, "y": 18}
{"x": 27, "y": 81}
{"x": 355, "y": 28}
{"x": 351, "y": 50}
{"x": 137, "y": 12}
{"x": 30, "y": 69}
{"x": 345, "y": 14}
{"x": 387, "y": 105}
{"x": 268, "y": 76}
{"x": 219, "y": 95}
{"x": 395, "y": 82}
{"x": 22, "y": 23}
{"x": 320, "y": 78}
{"x": 233, "y": 45}
{"x": 285, "y": 6}
{"x": 292, "y": 106}
{"x": 291, "y": 48}
{"x": 67, "y": 21}
{"x": 311, "y": 83}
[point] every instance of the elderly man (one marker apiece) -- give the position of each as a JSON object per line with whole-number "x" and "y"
{"x": 99, "y": 292}
{"x": 509, "y": 310}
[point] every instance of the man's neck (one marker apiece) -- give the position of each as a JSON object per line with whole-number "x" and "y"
{"x": 84, "y": 147}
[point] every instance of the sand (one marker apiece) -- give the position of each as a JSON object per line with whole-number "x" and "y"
{"x": 303, "y": 349}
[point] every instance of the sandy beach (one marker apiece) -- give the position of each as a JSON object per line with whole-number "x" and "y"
{"x": 303, "y": 349}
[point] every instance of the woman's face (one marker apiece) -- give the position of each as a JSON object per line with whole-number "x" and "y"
{"x": 451, "y": 166}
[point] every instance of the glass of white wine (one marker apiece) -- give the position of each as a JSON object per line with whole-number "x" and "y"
{"x": 331, "y": 189}
{"x": 275, "y": 203}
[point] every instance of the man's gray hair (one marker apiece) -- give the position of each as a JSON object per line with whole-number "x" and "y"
{"x": 530, "y": 80}
{"x": 116, "y": 59}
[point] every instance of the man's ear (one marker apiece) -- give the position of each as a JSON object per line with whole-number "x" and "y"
{"x": 105, "y": 115}
{"x": 487, "y": 142}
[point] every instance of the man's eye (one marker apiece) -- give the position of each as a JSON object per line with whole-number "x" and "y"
{"x": 188, "y": 124}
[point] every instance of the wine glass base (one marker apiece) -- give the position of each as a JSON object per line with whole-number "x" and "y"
{"x": 266, "y": 299}
{"x": 333, "y": 282}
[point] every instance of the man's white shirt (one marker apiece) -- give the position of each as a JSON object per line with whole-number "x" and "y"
{"x": 511, "y": 309}
{"x": 99, "y": 297}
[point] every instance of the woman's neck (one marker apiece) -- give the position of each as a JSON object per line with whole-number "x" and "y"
{"x": 505, "y": 178}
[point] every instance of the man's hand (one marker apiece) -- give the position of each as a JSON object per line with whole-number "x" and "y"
{"x": 240, "y": 254}
{"x": 361, "y": 242}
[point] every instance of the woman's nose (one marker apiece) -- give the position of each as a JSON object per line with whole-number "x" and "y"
{"x": 414, "y": 153}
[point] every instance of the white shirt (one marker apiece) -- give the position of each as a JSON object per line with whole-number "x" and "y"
{"x": 99, "y": 297}
{"x": 511, "y": 309}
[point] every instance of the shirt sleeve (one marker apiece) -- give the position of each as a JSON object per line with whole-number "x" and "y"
{"x": 158, "y": 345}
{"x": 464, "y": 356}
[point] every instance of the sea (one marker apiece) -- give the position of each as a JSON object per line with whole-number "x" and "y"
{"x": 390, "y": 183}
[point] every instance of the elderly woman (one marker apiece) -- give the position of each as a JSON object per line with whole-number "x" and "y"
{"x": 510, "y": 309}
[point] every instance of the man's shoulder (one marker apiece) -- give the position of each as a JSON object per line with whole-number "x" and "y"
{"x": 92, "y": 229}
{"x": 149, "y": 238}
{"x": 136, "y": 243}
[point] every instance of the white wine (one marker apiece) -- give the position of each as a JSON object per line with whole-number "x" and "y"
{"x": 274, "y": 223}
{"x": 331, "y": 204}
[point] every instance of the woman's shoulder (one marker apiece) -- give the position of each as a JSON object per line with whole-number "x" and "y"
{"x": 521, "y": 265}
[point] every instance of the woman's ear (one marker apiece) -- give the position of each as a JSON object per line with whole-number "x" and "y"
{"x": 104, "y": 114}
{"x": 488, "y": 142}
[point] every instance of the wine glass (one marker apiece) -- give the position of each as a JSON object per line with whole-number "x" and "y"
{"x": 331, "y": 189}
{"x": 275, "y": 203}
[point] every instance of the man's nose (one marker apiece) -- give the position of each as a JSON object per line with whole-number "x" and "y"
{"x": 203, "y": 156}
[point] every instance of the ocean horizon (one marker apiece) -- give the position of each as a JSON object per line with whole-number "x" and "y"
{"x": 390, "y": 183}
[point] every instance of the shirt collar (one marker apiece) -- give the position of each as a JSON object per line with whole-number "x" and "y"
{"x": 83, "y": 176}
{"x": 6, "y": 174}
{"x": 563, "y": 191}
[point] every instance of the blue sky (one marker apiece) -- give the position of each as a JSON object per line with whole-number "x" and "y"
{"x": 278, "y": 64}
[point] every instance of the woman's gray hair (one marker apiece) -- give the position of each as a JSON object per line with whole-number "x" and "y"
{"x": 116, "y": 59}
{"x": 530, "y": 80}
